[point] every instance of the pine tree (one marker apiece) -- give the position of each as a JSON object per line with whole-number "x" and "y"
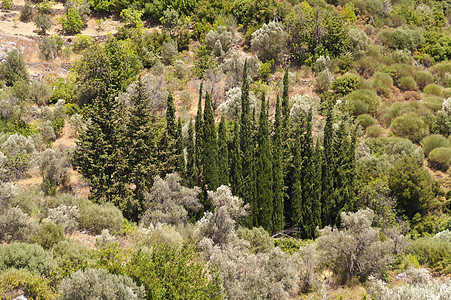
{"x": 223, "y": 154}
{"x": 198, "y": 142}
{"x": 278, "y": 183}
{"x": 327, "y": 190}
{"x": 264, "y": 197}
{"x": 210, "y": 148}
{"x": 236, "y": 171}
{"x": 180, "y": 167}
{"x": 191, "y": 174}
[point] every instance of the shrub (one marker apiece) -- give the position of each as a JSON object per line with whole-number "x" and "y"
{"x": 345, "y": 84}
{"x": 219, "y": 40}
{"x": 433, "y": 141}
{"x": 433, "y": 252}
{"x": 407, "y": 83}
{"x": 97, "y": 217}
{"x": 54, "y": 166}
{"x": 440, "y": 158}
{"x": 98, "y": 284}
{"x": 403, "y": 38}
{"x": 63, "y": 88}
{"x": 50, "y": 47}
{"x": 365, "y": 121}
{"x": 72, "y": 22}
{"x": 364, "y": 101}
{"x": 410, "y": 126}
{"x": 31, "y": 257}
{"x": 323, "y": 81}
{"x": 14, "y": 68}
{"x": 423, "y": 79}
{"x": 402, "y": 56}
{"x": 106, "y": 238}
{"x": 66, "y": 216}
{"x": 82, "y": 42}
{"x": 374, "y": 131}
{"x": 269, "y": 42}
{"x": 40, "y": 92}
{"x": 70, "y": 256}
{"x": 132, "y": 17}
{"x": 382, "y": 83}
{"x": 159, "y": 234}
{"x": 442, "y": 72}
{"x": 49, "y": 234}
{"x": 359, "y": 42}
{"x": 433, "y": 89}
{"x": 258, "y": 238}
{"x": 434, "y": 103}
{"x": 26, "y": 12}
{"x": 43, "y": 22}
{"x": 169, "y": 52}
{"x": 15, "y": 225}
{"x": 181, "y": 69}
{"x": 446, "y": 93}
{"x": 32, "y": 286}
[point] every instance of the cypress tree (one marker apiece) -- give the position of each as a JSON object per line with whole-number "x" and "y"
{"x": 190, "y": 157}
{"x": 285, "y": 103}
{"x": 316, "y": 195}
{"x": 180, "y": 168}
{"x": 171, "y": 125}
{"x": 236, "y": 171}
{"x": 210, "y": 148}
{"x": 278, "y": 184}
{"x": 264, "y": 197}
{"x": 223, "y": 154}
{"x": 296, "y": 181}
{"x": 327, "y": 190}
{"x": 168, "y": 156}
{"x": 198, "y": 142}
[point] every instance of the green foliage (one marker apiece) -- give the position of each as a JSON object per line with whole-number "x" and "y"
{"x": 423, "y": 79}
{"x": 382, "y": 83}
{"x": 72, "y": 22}
{"x": 433, "y": 141}
{"x": 132, "y": 17}
{"x": 44, "y": 6}
{"x": 407, "y": 83}
{"x": 16, "y": 225}
{"x": 345, "y": 84}
{"x": 31, "y": 257}
{"x": 31, "y": 285}
{"x": 365, "y": 121}
{"x": 258, "y": 238}
{"x": 364, "y": 101}
{"x": 359, "y": 42}
{"x": 49, "y": 234}
{"x": 433, "y": 252}
{"x": 374, "y": 131}
{"x": 50, "y": 47}
{"x": 403, "y": 38}
{"x": 269, "y": 42}
{"x": 7, "y": 4}
{"x": 402, "y": 57}
{"x": 14, "y": 68}
{"x": 434, "y": 103}
{"x": 82, "y": 42}
{"x": 440, "y": 158}
{"x": 43, "y": 22}
{"x": 97, "y": 217}
{"x": 98, "y": 284}
{"x": 409, "y": 125}
{"x": 412, "y": 185}
{"x": 433, "y": 89}
{"x": 26, "y": 12}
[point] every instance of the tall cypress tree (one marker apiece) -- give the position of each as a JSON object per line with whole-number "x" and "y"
{"x": 295, "y": 189}
{"x": 264, "y": 197}
{"x": 210, "y": 148}
{"x": 327, "y": 190}
{"x": 198, "y": 142}
{"x": 180, "y": 167}
{"x": 236, "y": 171}
{"x": 285, "y": 103}
{"x": 171, "y": 126}
{"x": 191, "y": 173}
{"x": 247, "y": 147}
{"x": 316, "y": 195}
{"x": 278, "y": 183}
{"x": 168, "y": 156}
{"x": 223, "y": 154}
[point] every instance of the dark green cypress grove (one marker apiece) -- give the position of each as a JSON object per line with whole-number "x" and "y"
{"x": 168, "y": 156}
{"x": 191, "y": 174}
{"x": 198, "y": 142}
{"x": 210, "y": 148}
{"x": 285, "y": 104}
{"x": 100, "y": 156}
{"x": 295, "y": 189}
{"x": 139, "y": 143}
{"x": 327, "y": 190}
{"x": 236, "y": 171}
{"x": 264, "y": 196}
{"x": 180, "y": 168}
{"x": 278, "y": 183}
{"x": 223, "y": 154}
{"x": 317, "y": 188}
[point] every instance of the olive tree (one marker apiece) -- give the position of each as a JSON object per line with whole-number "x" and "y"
{"x": 269, "y": 42}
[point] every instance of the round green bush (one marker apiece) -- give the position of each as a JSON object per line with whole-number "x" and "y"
{"x": 446, "y": 93}
{"x": 32, "y": 286}
{"x": 31, "y": 257}
{"x": 374, "y": 131}
{"x": 365, "y": 120}
{"x": 96, "y": 217}
{"x": 433, "y": 141}
{"x": 402, "y": 56}
{"x": 382, "y": 83}
{"x": 70, "y": 256}
{"x": 362, "y": 99}
{"x": 434, "y": 103}
{"x": 433, "y": 89}
{"x": 402, "y": 70}
{"x": 345, "y": 84}
{"x": 49, "y": 234}
{"x": 407, "y": 83}
{"x": 439, "y": 158}
{"x": 423, "y": 78}
{"x": 409, "y": 125}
